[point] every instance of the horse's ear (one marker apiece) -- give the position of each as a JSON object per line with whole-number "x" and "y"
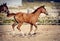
{"x": 5, "y": 4}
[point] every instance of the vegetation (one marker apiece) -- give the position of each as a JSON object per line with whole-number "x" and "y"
{"x": 41, "y": 20}
{"x": 47, "y": 20}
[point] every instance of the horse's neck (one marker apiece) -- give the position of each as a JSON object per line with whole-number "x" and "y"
{"x": 37, "y": 13}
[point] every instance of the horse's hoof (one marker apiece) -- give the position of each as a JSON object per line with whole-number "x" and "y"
{"x": 20, "y": 35}
{"x": 34, "y": 34}
{"x": 24, "y": 34}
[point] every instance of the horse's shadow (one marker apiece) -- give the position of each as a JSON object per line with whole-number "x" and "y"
{"x": 25, "y": 35}
{"x": 20, "y": 35}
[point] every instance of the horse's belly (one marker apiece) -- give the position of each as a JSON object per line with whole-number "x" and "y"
{"x": 30, "y": 21}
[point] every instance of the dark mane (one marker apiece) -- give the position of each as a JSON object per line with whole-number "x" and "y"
{"x": 37, "y": 9}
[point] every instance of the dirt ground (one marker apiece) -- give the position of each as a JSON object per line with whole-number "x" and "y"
{"x": 44, "y": 33}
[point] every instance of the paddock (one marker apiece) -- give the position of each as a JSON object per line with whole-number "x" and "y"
{"x": 44, "y": 33}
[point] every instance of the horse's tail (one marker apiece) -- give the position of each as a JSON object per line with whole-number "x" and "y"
{"x": 11, "y": 14}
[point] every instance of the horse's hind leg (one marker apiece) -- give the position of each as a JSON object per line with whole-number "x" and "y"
{"x": 13, "y": 25}
{"x": 19, "y": 25}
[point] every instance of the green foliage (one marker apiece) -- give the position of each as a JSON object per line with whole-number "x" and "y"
{"x": 47, "y": 20}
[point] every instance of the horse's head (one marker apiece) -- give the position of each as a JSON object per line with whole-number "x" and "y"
{"x": 4, "y": 8}
{"x": 43, "y": 10}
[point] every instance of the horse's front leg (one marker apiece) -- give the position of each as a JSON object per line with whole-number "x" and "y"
{"x": 35, "y": 29}
{"x": 30, "y": 29}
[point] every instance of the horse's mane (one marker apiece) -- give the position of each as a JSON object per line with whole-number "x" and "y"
{"x": 37, "y": 9}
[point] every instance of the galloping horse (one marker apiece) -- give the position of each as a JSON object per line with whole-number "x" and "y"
{"x": 27, "y": 18}
{"x": 3, "y": 8}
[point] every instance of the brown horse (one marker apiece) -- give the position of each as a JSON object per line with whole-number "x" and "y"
{"x": 27, "y": 18}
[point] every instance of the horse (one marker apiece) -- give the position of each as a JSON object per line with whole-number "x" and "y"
{"x": 3, "y": 8}
{"x": 31, "y": 18}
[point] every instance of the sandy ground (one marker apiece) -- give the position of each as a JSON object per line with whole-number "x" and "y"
{"x": 44, "y": 33}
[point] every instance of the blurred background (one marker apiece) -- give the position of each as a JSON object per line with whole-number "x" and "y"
{"x": 48, "y": 26}
{"x": 28, "y": 6}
